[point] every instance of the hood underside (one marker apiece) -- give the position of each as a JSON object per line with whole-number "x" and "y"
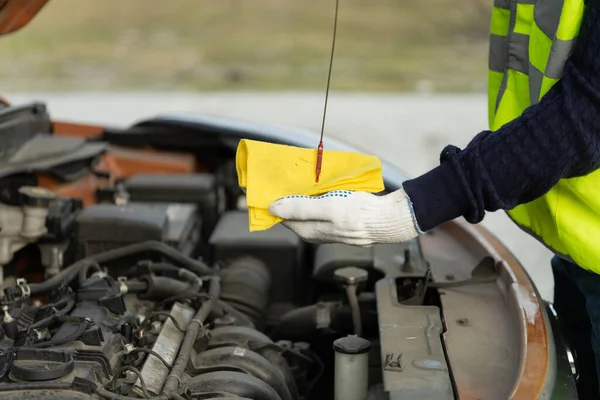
{"x": 15, "y": 14}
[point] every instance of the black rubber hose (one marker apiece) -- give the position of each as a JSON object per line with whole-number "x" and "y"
{"x": 80, "y": 267}
{"x": 69, "y": 304}
{"x": 83, "y": 326}
{"x": 246, "y": 285}
{"x": 235, "y": 383}
{"x": 160, "y": 288}
{"x": 280, "y": 364}
{"x": 304, "y": 322}
{"x": 172, "y": 381}
{"x": 248, "y": 361}
{"x": 136, "y": 286}
{"x": 43, "y": 323}
{"x": 236, "y": 336}
{"x": 60, "y": 302}
{"x": 260, "y": 343}
{"x": 182, "y": 273}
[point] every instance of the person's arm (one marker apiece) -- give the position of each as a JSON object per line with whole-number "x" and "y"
{"x": 557, "y": 138}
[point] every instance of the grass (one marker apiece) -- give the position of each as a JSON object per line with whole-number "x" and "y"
{"x": 202, "y": 45}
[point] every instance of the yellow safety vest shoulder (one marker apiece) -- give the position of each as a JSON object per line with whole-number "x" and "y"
{"x": 530, "y": 42}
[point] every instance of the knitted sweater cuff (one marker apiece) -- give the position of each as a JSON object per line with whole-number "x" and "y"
{"x": 436, "y": 196}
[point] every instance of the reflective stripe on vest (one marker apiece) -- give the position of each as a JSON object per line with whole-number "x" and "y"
{"x": 529, "y": 44}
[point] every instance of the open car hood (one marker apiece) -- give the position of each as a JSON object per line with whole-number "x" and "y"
{"x": 15, "y": 14}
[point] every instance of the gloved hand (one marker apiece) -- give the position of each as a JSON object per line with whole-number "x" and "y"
{"x": 355, "y": 218}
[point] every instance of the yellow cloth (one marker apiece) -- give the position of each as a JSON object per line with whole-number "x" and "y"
{"x": 270, "y": 171}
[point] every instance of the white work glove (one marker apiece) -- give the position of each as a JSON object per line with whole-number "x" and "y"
{"x": 355, "y": 218}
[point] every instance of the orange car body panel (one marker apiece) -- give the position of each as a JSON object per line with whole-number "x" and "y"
{"x": 117, "y": 162}
{"x": 15, "y": 14}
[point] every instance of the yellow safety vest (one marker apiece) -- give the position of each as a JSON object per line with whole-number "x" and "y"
{"x": 529, "y": 44}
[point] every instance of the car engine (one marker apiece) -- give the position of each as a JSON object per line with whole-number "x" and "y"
{"x": 159, "y": 291}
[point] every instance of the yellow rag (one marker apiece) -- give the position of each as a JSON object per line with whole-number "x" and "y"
{"x": 271, "y": 171}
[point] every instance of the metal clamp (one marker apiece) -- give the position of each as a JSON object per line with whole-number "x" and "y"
{"x": 25, "y": 289}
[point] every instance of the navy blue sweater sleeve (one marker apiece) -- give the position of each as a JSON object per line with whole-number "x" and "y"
{"x": 557, "y": 138}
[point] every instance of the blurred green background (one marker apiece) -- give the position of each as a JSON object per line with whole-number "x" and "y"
{"x": 208, "y": 45}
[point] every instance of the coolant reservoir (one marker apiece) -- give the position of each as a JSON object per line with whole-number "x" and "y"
{"x": 351, "y": 368}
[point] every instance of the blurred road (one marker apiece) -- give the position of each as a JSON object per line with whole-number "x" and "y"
{"x": 406, "y": 130}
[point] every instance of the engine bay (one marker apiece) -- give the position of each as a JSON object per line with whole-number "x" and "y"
{"x": 161, "y": 290}
{"x": 149, "y": 285}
